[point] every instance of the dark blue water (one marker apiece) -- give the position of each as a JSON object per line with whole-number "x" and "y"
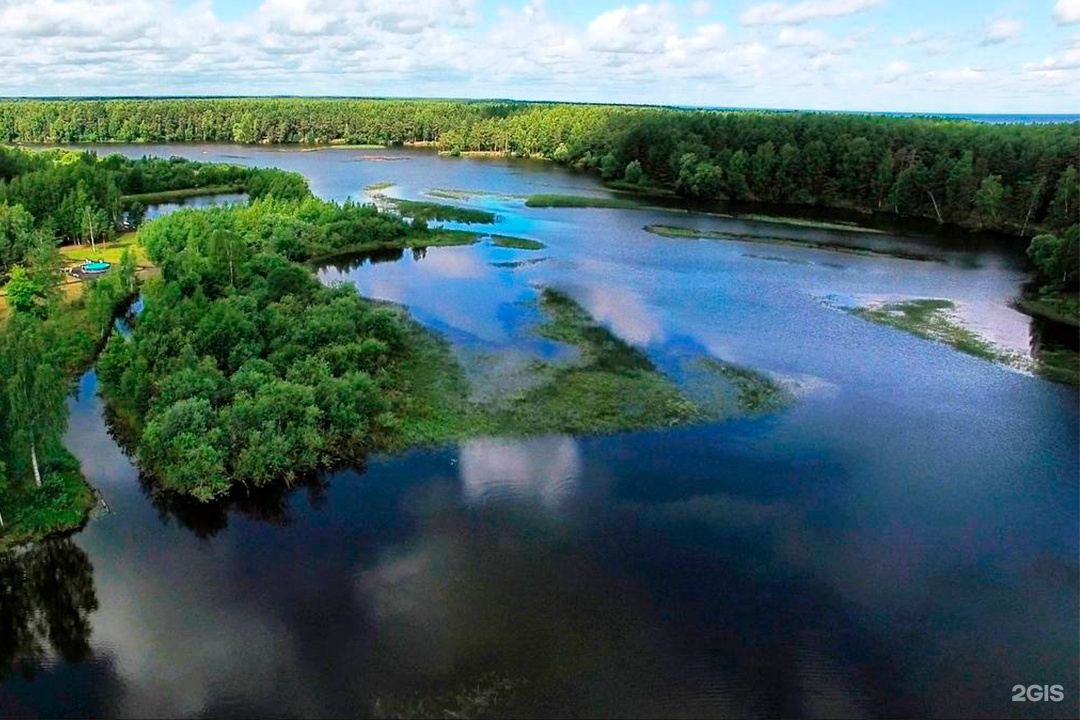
{"x": 903, "y": 541}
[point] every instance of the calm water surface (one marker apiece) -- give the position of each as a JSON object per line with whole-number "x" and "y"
{"x": 903, "y": 541}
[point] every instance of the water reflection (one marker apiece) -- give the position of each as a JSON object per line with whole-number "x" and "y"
{"x": 46, "y": 598}
{"x": 270, "y": 504}
{"x": 546, "y": 470}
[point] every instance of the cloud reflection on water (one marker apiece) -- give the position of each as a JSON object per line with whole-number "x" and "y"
{"x": 547, "y": 469}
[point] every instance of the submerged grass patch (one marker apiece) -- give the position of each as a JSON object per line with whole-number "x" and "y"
{"x": 933, "y": 319}
{"x": 452, "y": 194}
{"x": 674, "y": 231}
{"x": 743, "y": 390}
{"x": 609, "y": 386}
{"x": 579, "y": 201}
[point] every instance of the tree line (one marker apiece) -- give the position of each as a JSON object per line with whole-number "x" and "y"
{"x": 1018, "y": 179}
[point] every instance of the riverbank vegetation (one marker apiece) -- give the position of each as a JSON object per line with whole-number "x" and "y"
{"x": 45, "y": 344}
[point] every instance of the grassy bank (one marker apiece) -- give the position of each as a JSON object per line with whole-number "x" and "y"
{"x": 672, "y": 231}
{"x": 61, "y": 505}
{"x": 1053, "y": 306}
{"x": 165, "y": 196}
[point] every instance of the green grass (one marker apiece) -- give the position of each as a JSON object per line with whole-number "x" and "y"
{"x": 439, "y": 211}
{"x": 108, "y": 251}
{"x": 579, "y": 201}
{"x": 61, "y": 505}
{"x": 165, "y": 196}
{"x": 1059, "y": 365}
{"x": 517, "y": 243}
{"x": 932, "y": 318}
{"x": 673, "y": 231}
{"x": 381, "y": 185}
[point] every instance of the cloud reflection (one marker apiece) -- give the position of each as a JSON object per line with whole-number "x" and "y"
{"x": 546, "y": 469}
{"x": 625, "y": 313}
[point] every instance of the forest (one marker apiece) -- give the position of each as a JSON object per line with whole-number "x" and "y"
{"x": 1015, "y": 179}
{"x": 73, "y": 196}
{"x": 243, "y": 368}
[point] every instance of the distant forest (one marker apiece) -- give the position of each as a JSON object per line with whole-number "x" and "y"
{"x": 1017, "y": 179}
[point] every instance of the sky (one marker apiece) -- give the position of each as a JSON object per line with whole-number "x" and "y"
{"x": 962, "y": 56}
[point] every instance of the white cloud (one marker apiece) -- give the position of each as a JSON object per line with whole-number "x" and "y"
{"x": 894, "y": 71}
{"x": 802, "y": 37}
{"x": 1068, "y": 60}
{"x": 639, "y": 52}
{"x": 776, "y": 13}
{"x": 1001, "y": 29}
{"x": 630, "y": 30}
{"x": 1067, "y": 12}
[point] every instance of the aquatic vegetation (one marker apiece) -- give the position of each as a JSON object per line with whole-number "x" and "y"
{"x": 743, "y": 390}
{"x": 381, "y": 185}
{"x": 673, "y": 231}
{"x": 933, "y": 319}
{"x": 464, "y": 195}
{"x": 516, "y": 243}
{"x": 579, "y": 201}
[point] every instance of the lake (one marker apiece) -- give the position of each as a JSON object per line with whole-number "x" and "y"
{"x": 902, "y": 541}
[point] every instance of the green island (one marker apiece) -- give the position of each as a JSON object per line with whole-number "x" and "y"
{"x": 673, "y": 231}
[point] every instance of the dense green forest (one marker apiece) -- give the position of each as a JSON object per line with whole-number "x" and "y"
{"x": 243, "y": 368}
{"x": 71, "y": 196}
{"x": 1012, "y": 178}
